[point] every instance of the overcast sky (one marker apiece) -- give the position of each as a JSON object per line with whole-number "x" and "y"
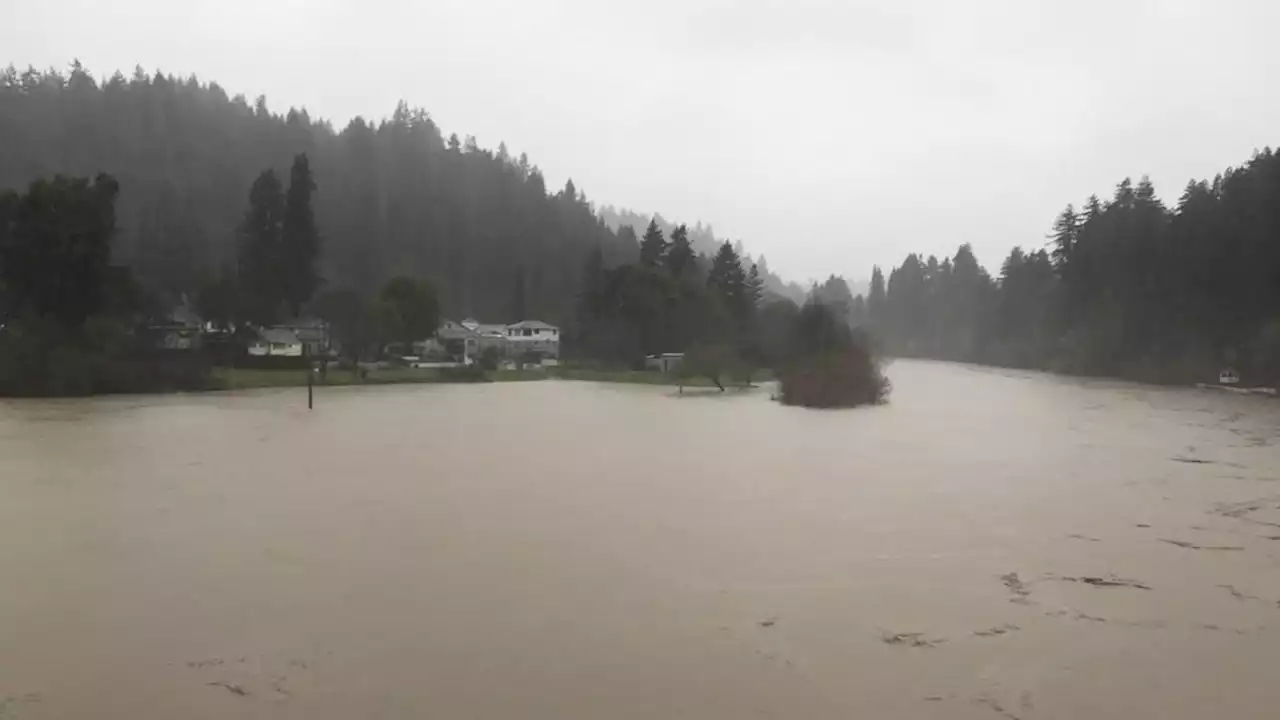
{"x": 827, "y": 135}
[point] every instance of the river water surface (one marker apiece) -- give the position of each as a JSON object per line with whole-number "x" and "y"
{"x": 990, "y": 544}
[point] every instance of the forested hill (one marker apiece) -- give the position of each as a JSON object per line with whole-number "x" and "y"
{"x": 394, "y": 197}
{"x": 1127, "y": 286}
{"x": 704, "y": 242}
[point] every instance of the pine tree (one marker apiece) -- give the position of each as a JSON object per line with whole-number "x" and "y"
{"x": 754, "y": 287}
{"x": 259, "y": 250}
{"x": 300, "y": 239}
{"x": 1065, "y": 231}
{"x": 680, "y": 253}
{"x": 55, "y": 249}
{"x": 727, "y": 280}
{"x": 653, "y": 246}
{"x": 876, "y": 298}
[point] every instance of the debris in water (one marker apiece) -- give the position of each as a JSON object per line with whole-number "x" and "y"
{"x": 1142, "y": 525}
{"x": 998, "y": 630}
{"x": 910, "y": 639}
{"x": 231, "y": 687}
{"x": 769, "y": 622}
{"x": 1193, "y": 546}
{"x": 1191, "y": 460}
{"x": 1077, "y": 536}
{"x": 1110, "y": 581}
{"x": 992, "y": 703}
{"x": 1016, "y": 586}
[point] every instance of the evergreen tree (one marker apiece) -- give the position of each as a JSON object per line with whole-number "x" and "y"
{"x": 754, "y": 287}
{"x": 728, "y": 282}
{"x": 300, "y": 240}
{"x": 653, "y": 246}
{"x": 1065, "y": 229}
{"x": 680, "y": 253}
{"x": 876, "y": 298}
{"x": 55, "y": 250}
{"x": 261, "y": 280}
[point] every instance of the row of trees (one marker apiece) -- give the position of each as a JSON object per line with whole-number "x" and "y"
{"x": 400, "y": 198}
{"x": 67, "y": 313}
{"x": 1125, "y": 286}
{"x": 704, "y": 242}
{"x": 275, "y": 270}
{"x": 669, "y": 300}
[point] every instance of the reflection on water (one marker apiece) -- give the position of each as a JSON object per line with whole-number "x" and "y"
{"x": 992, "y": 543}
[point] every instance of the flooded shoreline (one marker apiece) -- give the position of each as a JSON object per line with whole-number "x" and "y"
{"x": 992, "y": 543}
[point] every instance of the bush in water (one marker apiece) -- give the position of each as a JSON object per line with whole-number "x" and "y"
{"x": 840, "y": 378}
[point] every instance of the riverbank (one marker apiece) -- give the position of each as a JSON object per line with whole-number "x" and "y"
{"x": 233, "y": 378}
{"x": 633, "y": 377}
{"x": 224, "y": 378}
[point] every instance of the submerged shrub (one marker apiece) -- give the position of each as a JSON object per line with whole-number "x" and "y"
{"x": 835, "y": 379}
{"x": 833, "y": 366}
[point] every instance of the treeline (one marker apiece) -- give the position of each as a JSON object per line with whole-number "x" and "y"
{"x": 396, "y": 197}
{"x": 68, "y": 314}
{"x": 714, "y": 311}
{"x": 669, "y": 300}
{"x": 1125, "y": 287}
{"x": 704, "y": 241}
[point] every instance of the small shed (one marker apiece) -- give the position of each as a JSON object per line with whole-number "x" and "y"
{"x": 664, "y": 362}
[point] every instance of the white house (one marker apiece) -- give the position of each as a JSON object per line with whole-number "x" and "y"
{"x": 533, "y": 336}
{"x": 276, "y": 342}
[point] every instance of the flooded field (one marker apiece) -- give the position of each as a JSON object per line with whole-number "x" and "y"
{"x": 992, "y": 544}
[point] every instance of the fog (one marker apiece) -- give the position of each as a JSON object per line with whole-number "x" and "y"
{"x": 829, "y": 136}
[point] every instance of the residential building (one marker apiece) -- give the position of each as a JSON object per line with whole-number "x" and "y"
{"x": 313, "y": 333}
{"x": 459, "y": 342}
{"x": 276, "y": 342}
{"x": 466, "y": 341}
{"x": 533, "y": 336}
{"x": 180, "y": 329}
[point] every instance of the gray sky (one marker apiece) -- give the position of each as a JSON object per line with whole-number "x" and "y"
{"x": 828, "y": 135}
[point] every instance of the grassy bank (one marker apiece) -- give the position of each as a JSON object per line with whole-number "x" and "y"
{"x": 224, "y": 378}
{"x": 642, "y": 377}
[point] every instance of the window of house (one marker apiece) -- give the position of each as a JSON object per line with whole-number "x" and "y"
{"x": 528, "y": 332}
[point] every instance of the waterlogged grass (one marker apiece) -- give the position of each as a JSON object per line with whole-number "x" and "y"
{"x": 517, "y": 375}
{"x": 248, "y": 378}
{"x": 643, "y": 377}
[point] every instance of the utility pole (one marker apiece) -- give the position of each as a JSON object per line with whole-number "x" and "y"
{"x": 306, "y": 360}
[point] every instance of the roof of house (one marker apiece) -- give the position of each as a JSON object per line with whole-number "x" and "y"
{"x": 278, "y": 335}
{"x": 490, "y": 329}
{"x": 450, "y": 330}
{"x": 533, "y": 324}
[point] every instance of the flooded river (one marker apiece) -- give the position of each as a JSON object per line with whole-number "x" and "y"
{"x": 991, "y": 544}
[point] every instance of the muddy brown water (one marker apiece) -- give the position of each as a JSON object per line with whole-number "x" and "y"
{"x": 991, "y": 544}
